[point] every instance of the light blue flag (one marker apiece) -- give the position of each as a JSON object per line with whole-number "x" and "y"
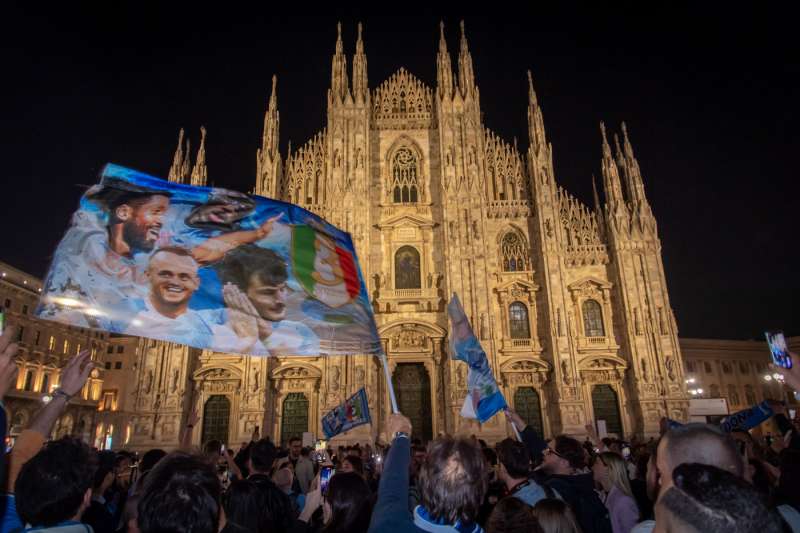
{"x": 484, "y": 398}
{"x": 352, "y": 413}
{"x": 212, "y": 268}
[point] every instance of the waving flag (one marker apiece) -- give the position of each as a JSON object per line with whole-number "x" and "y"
{"x": 210, "y": 268}
{"x": 352, "y": 413}
{"x": 484, "y": 398}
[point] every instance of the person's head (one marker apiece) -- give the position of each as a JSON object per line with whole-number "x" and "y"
{"x": 244, "y": 505}
{"x": 122, "y": 470}
{"x": 262, "y": 455}
{"x": 696, "y": 443}
{"x": 172, "y": 272}
{"x": 223, "y": 208}
{"x": 563, "y": 456}
{"x": 181, "y": 493}
{"x": 515, "y": 461}
{"x": 283, "y": 478}
{"x": 555, "y": 516}
{"x": 305, "y": 451}
{"x": 138, "y": 215}
{"x": 348, "y": 504}
{"x": 611, "y": 470}
{"x": 295, "y": 445}
{"x": 212, "y": 449}
{"x": 788, "y": 490}
{"x": 353, "y": 463}
{"x": 150, "y": 458}
{"x": 259, "y": 273}
{"x": 512, "y": 515}
{"x": 703, "y": 498}
{"x": 452, "y": 480}
{"x": 104, "y": 473}
{"x": 56, "y": 484}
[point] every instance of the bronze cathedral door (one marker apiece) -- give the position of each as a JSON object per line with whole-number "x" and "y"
{"x": 412, "y": 386}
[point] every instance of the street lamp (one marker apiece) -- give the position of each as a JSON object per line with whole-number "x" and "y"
{"x": 694, "y": 391}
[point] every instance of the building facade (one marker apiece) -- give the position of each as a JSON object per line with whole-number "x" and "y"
{"x": 44, "y": 348}
{"x": 570, "y": 302}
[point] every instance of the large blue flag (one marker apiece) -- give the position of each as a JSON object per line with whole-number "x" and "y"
{"x": 353, "y": 412}
{"x": 484, "y": 398}
{"x": 208, "y": 267}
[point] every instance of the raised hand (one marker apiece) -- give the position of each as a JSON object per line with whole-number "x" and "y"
{"x": 8, "y": 369}
{"x": 397, "y": 423}
{"x": 244, "y": 315}
{"x": 266, "y": 227}
{"x": 515, "y": 419}
{"x": 76, "y": 372}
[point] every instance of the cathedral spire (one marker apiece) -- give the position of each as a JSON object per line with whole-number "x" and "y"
{"x": 611, "y": 181}
{"x": 186, "y": 166}
{"x": 536, "y": 134}
{"x": 633, "y": 176}
{"x": 200, "y": 171}
{"x": 444, "y": 70}
{"x": 360, "y": 85}
{"x": 466, "y": 76}
{"x": 597, "y": 205}
{"x": 268, "y": 159}
{"x": 339, "y": 81}
{"x": 177, "y": 160}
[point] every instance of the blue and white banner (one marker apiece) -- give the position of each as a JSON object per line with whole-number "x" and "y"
{"x": 352, "y": 413}
{"x": 484, "y": 399}
{"x": 210, "y": 268}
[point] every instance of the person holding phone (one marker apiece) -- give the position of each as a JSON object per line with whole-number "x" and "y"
{"x": 346, "y": 502}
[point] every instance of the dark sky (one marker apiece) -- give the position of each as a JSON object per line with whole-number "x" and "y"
{"x": 710, "y": 100}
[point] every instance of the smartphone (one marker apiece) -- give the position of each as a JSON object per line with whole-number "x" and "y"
{"x": 325, "y": 475}
{"x": 777, "y": 347}
{"x": 222, "y": 450}
{"x": 626, "y": 452}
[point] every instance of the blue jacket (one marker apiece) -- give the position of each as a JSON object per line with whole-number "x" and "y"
{"x": 390, "y": 514}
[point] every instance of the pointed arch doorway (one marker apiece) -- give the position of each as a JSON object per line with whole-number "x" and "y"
{"x": 412, "y": 385}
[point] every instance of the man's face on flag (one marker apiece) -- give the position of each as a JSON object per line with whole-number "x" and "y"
{"x": 269, "y": 300}
{"x": 142, "y": 223}
{"x": 173, "y": 278}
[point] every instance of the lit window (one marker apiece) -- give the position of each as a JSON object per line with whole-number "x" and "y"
{"x": 518, "y": 321}
{"x": 593, "y": 319}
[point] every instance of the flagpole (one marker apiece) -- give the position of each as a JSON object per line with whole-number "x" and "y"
{"x": 389, "y": 385}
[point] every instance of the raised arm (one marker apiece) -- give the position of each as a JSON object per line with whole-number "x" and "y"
{"x": 215, "y": 248}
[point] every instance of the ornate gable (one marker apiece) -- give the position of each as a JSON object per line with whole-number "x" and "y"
{"x": 402, "y": 102}
{"x": 584, "y": 236}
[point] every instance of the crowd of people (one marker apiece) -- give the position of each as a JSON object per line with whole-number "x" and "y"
{"x": 693, "y": 478}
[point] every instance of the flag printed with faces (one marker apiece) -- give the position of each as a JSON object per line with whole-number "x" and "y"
{"x": 210, "y": 268}
{"x": 484, "y": 398}
{"x": 352, "y": 413}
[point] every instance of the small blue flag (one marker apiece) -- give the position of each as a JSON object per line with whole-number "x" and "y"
{"x": 484, "y": 399}
{"x": 352, "y": 413}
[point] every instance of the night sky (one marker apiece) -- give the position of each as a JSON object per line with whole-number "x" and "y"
{"x": 710, "y": 100}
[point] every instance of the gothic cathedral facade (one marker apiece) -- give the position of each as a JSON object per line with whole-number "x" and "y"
{"x": 570, "y": 302}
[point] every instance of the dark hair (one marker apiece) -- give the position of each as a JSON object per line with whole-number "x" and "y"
{"x": 294, "y": 438}
{"x": 262, "y": 455}
{"x": 211, "y": 447}
{"x": 181, "y": 493}
{"x": 555, "y": 515}
{"x": 514, "y": 456}
{"x": 51, "y": 486}
{"x": 106, "y": 460}
{"x": 512, "y": 515}
{"x": 788, "y": 490}
{"x": 452, "y": 479}
{"x": 244, "y": 506}
{"x": 351, "y": 503}
{"x": 239, "y": 266}
{"x": 490, "y": 455}
{"x": 708, "y": 498}
{"x": 571, "y": 450}
{"x": 356, "y": 462}
{"x": 305, "y": 451}
{"x": 150, "y": 458}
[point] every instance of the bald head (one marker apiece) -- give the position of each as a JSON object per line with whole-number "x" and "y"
{"x": 696, "y": 443}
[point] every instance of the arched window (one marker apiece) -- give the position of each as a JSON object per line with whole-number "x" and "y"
{"x": 407, "y": 269}
{"x": 518, "y": 321}
{"x": 405, "y": 170}
{"x": 512, "y": 252}
{"x": 28, "y": 381}
{"x": 593, "y": 319}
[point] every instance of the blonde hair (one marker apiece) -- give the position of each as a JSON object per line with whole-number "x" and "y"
{"x": 617, "y": 471}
